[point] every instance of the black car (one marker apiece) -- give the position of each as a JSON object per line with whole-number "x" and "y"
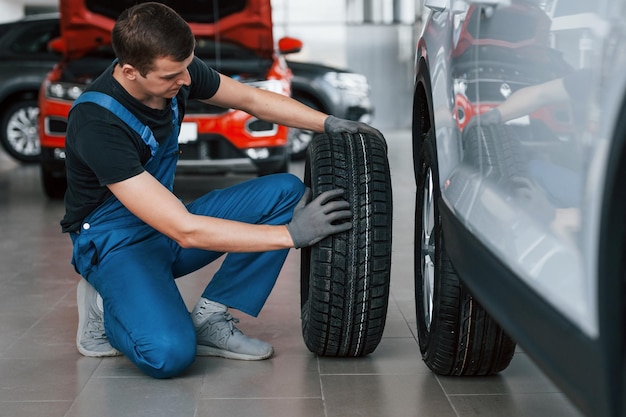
{"x": 341, "y": 93}
{"x": 25, "y": 59}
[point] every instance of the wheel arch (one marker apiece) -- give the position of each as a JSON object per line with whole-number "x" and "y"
{"x": 612, "y": 265}
{"x": 422, "y": 120}
{"x": 301, "y": 90}
{"x": 22, "y": 93}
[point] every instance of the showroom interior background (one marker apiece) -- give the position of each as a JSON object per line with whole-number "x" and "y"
{"x": 373, "y": 37}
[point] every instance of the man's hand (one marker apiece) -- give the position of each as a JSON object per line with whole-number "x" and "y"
{"x": 492, "y": 117}
{"x": 334, "y": 124}
{"x": 313, "y": 220}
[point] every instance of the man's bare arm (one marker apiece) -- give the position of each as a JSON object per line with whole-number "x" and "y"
{"x": 266, "y": 105}
{"x": 150, "y": 201}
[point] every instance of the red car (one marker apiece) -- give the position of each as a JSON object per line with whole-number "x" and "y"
{"x": 233, "y": 37}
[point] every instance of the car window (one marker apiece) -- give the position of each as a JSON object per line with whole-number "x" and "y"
{"x": 35, "y": 40}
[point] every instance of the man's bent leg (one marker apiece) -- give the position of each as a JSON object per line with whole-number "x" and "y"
{"x": 245, "y": 280}
{"x": 145, "y": 316}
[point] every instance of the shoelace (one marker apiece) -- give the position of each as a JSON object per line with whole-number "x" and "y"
{"x": 95, "y": 327}
{"x": 227, "y": 321}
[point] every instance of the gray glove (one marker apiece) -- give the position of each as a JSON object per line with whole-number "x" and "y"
{"x": 492, "y": 117}
{"x": 334, "y": 124}
{"x": 313, "y": 221}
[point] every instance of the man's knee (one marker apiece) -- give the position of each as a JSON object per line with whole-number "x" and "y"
{"x": 288, "y": 183}
{"x": 166, "y": 356}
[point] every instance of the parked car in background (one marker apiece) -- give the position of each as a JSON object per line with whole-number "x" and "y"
{"x": 335, "y": 91}
{"x": 24, "y": 61}
{"x": 519, "y": 134}
{"x": 235, "y": 38}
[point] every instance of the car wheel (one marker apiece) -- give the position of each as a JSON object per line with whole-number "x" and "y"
{"x": 299, "y": 139}
{"x": 53, "y": 184}
{"x": 345, "y": 277}
{"x": 456, "y": 335}
{"x": 19, "y": 136}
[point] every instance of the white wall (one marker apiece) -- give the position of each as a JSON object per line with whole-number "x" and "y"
{"x": 320, "y": 24}
{"x": 383, "y": 51}
{"x": 15, "y": 9}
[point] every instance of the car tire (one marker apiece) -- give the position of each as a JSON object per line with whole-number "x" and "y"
{"x": 300, "y": 139}
{"x": 345, "y": 277}
{"x": 456, "y": 335}
{"x": 19, "y": 134}
{"x": 497, "y": 153}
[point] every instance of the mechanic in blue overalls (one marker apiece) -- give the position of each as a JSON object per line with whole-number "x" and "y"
{"x": 132, "y": 236}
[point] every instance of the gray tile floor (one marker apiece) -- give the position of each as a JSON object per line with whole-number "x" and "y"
{"x": 42, "y": 374}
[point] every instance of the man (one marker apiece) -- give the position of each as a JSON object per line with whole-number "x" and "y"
{"x": 132, "y": 237}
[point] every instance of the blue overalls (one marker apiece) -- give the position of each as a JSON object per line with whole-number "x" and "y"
{"x": 133, "y": 266}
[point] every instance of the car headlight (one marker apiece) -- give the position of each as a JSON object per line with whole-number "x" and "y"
{"x": 356, "y": 83}
{"x": 270, "y": 85}
{"x": 64, "y": 91}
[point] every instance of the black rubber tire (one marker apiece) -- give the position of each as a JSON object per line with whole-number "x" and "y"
{"x": 345, "y": 277}
{"x": 495, "y": 151}
{"x": 19, "y": 132}
{"x": 456, "y": 335}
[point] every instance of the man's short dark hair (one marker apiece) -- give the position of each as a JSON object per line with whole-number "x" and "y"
{"x": 148, "y": 31}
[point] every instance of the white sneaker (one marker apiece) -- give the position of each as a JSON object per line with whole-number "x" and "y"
{"x": 217, "y": 335}
{"x": 90, "y": 339}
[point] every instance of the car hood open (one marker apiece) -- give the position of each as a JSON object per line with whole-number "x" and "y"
{"x": 87, "y": 24}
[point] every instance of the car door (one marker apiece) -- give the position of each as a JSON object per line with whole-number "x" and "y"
{"x": 539, "y": 172}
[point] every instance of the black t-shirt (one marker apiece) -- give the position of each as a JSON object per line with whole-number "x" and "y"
{"x": 101, "y": 149}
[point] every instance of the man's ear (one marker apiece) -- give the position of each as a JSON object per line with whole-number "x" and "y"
{"x": 129, "y": 72}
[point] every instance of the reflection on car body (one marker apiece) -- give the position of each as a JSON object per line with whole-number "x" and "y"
{"x": 517, "y": 104}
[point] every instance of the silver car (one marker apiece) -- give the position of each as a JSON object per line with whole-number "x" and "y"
{"x": 520, "y": 167}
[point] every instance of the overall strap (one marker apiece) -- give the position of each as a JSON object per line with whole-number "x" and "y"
{"x": 114, "y": 106}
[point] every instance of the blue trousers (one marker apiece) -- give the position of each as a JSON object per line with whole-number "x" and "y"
{"x": 144, "y": 314}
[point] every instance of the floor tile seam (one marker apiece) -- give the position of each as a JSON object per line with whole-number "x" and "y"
{"x": 319, "y": 371}
{"x": 407, "y": 373}
{"x": 201, "y": 398}
{"x": 39, "y": 320}
{"x": 398, "y": 307}
{"x": 400, "y": 337}
{"x": 406, "y": 322}
{"x": 34, "y": 401}
{"x": 505, "y": 394}
{"x": 79, "y": 393}
{"x": 447, "y": 396}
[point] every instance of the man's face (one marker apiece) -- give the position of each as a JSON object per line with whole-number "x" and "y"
{"x": 166, "y": 78}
